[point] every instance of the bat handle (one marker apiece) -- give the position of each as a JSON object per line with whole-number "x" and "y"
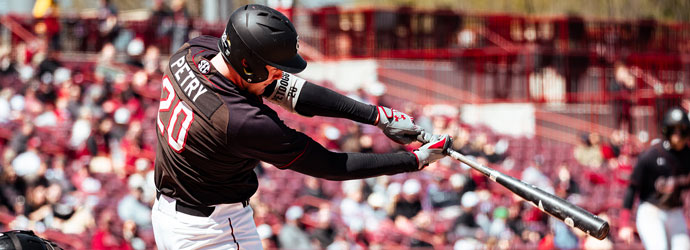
{"x": 424, "y": 137}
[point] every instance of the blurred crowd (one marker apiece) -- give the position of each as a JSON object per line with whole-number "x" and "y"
{"x": 76, "y": 139}
{"x": 77, "y": 142}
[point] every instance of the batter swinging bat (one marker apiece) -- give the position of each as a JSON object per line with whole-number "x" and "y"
{"x": 572, "y": 215}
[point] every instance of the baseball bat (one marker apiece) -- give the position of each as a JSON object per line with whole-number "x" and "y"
{"x": 563, "y": 210}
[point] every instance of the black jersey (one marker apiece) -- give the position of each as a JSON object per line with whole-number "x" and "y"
{"x": 660, "y": 175}
{"x": 212, "y": 134}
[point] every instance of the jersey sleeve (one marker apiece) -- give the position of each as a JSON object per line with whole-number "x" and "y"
{"x": 636, "y": 179}
{"x": 639, "y": 171}
{"x": 266, "y": 138}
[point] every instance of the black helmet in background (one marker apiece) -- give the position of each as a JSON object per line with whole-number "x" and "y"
{"x": 675, "y": 119}
{"x": 24, "y": 240}
{"x": 256, "y": 36}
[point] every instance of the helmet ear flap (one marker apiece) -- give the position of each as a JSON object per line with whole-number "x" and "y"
{"x": 241, "y": 58}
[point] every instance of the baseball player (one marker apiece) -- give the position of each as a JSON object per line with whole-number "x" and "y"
{"x": 661, "y": 174}
{"x": 214, "y": 128}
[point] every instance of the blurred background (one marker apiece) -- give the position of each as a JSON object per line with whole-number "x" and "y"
{"x": 561, "y": 94}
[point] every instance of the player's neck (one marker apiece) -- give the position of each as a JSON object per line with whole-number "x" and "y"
{"x": 219, "y": 63}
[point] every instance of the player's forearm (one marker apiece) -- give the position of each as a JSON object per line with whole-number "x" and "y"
{"x": 319, "y": 162}
{"x": 317, "y": 100}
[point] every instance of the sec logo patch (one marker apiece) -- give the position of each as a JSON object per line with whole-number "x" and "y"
{"x": 204, "y": 67}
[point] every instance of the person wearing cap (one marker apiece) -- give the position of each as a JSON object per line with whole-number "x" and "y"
{"x": 213, "y": 128}
{"x": 466, "y": 225}
{"x": 409, "y": 203}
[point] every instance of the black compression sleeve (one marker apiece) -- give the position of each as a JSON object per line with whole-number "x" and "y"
{"x": 321, "y": 101}
{"x": 629, "y": 197}
{"x": 320, "y": 162}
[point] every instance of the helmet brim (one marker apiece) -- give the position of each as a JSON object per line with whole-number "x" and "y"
{"x": 293, "y": 65}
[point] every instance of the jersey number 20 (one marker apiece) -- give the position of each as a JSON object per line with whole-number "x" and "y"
{"x": 175, "y": 140}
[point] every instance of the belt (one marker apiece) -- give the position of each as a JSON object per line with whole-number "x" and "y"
{"x": 200, "y": 211}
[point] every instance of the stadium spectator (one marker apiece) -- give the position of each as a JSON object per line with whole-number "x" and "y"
{"x": 131, "y": 207}
{"x": 19, "y": 141}
{"x": 323, "y": 230}
{"x": 446, "y": 192}
{"x": 107, "y": 236}
{"x": 466, "y": 225}
{"x": 622, "y": 87}
{"x": 312, "y": 187}
{"x": 409, "y": 203}
{"x": 461, "y": 141}
{"x": 161, "y": 14}
{"x": 565, "y": 184}
{"x": 266, "y": 233}
{"x": 291, "y": 234}
{"x": 563, "y": 236}
{"x": 534, "y": 175}
{"x": 180, "y": 26}
{"x": 28, "y": 164}
{"x": 46, "y": 14}
{"x": 109, "y": 26}
{"x": 588, "y": 151}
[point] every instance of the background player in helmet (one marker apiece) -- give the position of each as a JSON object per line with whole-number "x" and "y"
{"x": 214, "y": 129}
{"x": 660, "y": 176}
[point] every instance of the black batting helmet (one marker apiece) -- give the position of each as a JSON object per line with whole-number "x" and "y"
{"x": 25, "y": 239}
{"x": 256, "y": 36}
{"x": 675, "y": 118}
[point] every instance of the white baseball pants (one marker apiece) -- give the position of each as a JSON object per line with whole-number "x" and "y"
{"x": 662, "y": 229}
{"x": 230, "y": 226}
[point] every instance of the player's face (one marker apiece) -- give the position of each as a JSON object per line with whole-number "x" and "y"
{"x": 259, "y": 87}
{"x": 678, "y": 140}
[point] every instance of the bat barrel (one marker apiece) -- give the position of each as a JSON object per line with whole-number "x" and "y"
{"x": 565, "y": 211}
